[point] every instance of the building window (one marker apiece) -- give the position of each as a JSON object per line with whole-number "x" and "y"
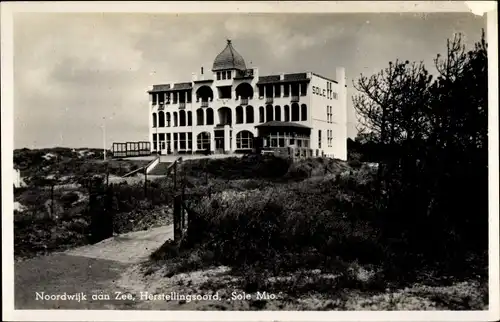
{"x": 182, "y": 141}
{"x": 286, "y": 90}
{"x": 182, "y": 118}
{"x": 210, "y": 116}
{"x": 154, "y": 98}
{"x": 175, "y": 118}
{"x": 261, "y": 91}
{"x": 169, "y": 140}
{"x": 190, "y": 141}
{"x": 277, "y": 113}
{"x": 223, "y": 75}
{"x": 303, "y": 110}
{"x": 295, "y": 112}
{"x": 218, "y": 75}
{"x": 261, "y": 114}
{"x": 154, "y": 119}
{"x": 303, "y": 89}
{"x": 249, "y": 112}
{"x": 161, "y": 119}
{"x": 168, "y": 118}
{"x": 244, "y": 140}
{"x": 277, "y": 91}
{"x": 199, "y": 116}
{"x": 319, "y": 139}
{"x": 190, "y": 118}
{"x": 287, "y": 113}
{"x": 154, "y": 141}
{"x": 161, "y": 137}
{"x": 239, "y": 115}
{"x": 269, "y": 113}
{"x": 228, "y": 74}
{"x": 203, "y": 141}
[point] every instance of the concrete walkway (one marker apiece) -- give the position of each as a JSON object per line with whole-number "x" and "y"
{"x": 90, "y": 270}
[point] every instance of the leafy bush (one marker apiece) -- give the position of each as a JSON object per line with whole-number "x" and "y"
{"x": 254, "y": 226}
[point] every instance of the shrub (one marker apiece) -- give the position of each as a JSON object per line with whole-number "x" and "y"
{"x": 254, "y": 226}
{"x": 69, "y": 198}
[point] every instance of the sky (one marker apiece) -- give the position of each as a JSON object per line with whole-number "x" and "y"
{"x": 71, "y": 70}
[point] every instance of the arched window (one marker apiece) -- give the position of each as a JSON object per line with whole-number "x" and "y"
{"x": 210, "y": 116}
{"x": 203, "y": 141}
{"x": 225, "y": 115}
{"x": 190, "y": 118}
{"x": 303, "y": 112}
{"x": 154, "y": 119}
{"x": 244, "y": 91}
{"x": 168, "y": 118}
{"x": 199, "y": 117}
{"x": 295, "y": 112}
{"x": 175, "y": 119}
{"x": 244, "y": 140}
{"x": 287, "y": 113}
{"x": 161, "y": 119}
{"x": 277, "y": 113}
{"x": 182, "y": 118}
{"x": 261, "y": 114}
{"x": 239, "y": 115}
{"x": 204, "y": 93}
{"x": 269, "y": 113}
{"x": 249, "y": 111}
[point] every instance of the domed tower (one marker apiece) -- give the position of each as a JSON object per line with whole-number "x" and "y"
{"x": 228, "y": 63}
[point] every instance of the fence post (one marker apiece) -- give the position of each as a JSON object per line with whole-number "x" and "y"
{"x": 177, "y": 218}
{"x": 52, "y": 199}
{"x": 145, "y": 182}
{"x": 206, "y": 171}
{"x": 175, "y": 175}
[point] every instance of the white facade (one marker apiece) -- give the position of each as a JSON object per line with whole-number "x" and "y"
{"x": 220, "y": 109}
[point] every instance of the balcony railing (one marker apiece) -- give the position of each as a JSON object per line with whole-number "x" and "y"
{"x": 204, "y": 103}
{"x": 269, "y": 99}
{"x": 295, "y": 98}
{"x": 182, "y": 104}
{"x": 244, "y": 101}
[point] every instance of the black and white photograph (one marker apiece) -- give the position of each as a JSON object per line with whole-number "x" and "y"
{"x": 250, "y": 157}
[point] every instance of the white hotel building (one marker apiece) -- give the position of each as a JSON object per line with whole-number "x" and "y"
{"x": 224, "y": 110}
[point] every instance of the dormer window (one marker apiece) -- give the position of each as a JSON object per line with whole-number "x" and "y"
{"x": 228, "y": 74}
{"x": 218, "y": 75}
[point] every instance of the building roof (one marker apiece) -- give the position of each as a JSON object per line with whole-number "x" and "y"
{"x": 168, "y": 88}
{"x": 229, "y": 58}
{"x": 282, "y": 124}
{"x": 287, "y": 78}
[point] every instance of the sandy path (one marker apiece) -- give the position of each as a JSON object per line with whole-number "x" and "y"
{"x": 91, "y": 270}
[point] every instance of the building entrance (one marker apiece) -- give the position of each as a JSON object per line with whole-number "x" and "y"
{"x": 219, "y": 141}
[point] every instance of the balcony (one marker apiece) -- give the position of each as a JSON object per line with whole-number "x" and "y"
{"x": 295, "y": 98}
{"x": 269, "y": 100}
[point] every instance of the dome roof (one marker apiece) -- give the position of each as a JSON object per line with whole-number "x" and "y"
{"x": 229, "y": 58}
